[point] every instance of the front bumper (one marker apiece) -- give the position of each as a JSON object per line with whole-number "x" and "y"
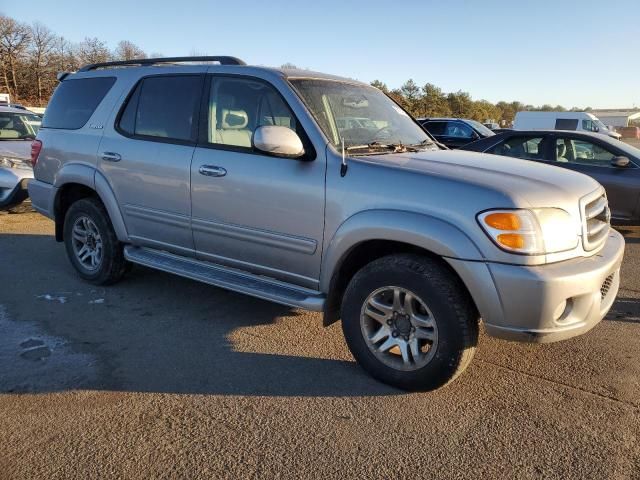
{"x": 13, "y": 186}
{"x": 545, "y": 303}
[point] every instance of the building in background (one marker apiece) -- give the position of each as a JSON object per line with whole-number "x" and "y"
{"x": 618, "y": 118}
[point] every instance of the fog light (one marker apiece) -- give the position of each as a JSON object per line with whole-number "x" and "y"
{"x": 559, "y": 311}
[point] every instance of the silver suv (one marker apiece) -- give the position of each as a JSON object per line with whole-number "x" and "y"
{"x": 253, "y": 179}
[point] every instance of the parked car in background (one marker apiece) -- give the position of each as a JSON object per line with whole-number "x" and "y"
{"x": 455, "y": 132}
{"x": 578, "y": 121}
{"x": 240, "y": 176}
{"x": 613, "y": 163}
{"x": 18, "y": 127}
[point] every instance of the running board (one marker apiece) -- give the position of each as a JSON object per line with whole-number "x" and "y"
{"x": 228, "y": 278}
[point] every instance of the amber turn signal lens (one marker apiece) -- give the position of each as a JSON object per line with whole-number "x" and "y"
{"x": 503, "y": 221}
{"x": 511, "y": 240}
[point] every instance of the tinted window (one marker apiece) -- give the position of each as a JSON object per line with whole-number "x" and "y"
{"x": 583, "y": 152}
{"x": 458, "y": 130}
{"x": 520, "y": 147}
{"x": 163, "y": 107}
{"x": 435, "y": 128}
{"x": 238, "y": 106}
{"x": 74, "y": 101}
{"x": 566, "y": 124}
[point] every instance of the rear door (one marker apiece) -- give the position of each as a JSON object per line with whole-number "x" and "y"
{"x": 593, "y": 158}
{"x": 146, "y": 157}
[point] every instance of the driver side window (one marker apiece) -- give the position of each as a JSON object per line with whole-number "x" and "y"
{"x": 458, "y": 130}
{"x": 582, "y": 152}
{"x": 237, "y": 106}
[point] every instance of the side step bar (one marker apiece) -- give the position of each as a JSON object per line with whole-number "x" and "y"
{"x": 228, "y": 278}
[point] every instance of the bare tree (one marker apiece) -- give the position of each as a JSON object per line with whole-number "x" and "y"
{"x": 63, "y": 54}
{"x": 42, "y": 42}
{"x": 14, "y": 41}
{"x": 92, "y": 50}
{"x": 127, "y": 50}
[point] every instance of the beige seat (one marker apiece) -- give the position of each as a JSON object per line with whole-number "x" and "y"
{"x": 233, "y": 129}
{"x": 561, "y": 151}
{"x": 7, "y": 133}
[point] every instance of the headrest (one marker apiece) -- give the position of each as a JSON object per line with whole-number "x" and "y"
{"x": 9, "y": 133}
{"x": 234, "y": 119}
{"x": 561, "y": 149}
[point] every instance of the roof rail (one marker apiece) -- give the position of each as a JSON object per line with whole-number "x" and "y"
{"x": 223, "y": 60}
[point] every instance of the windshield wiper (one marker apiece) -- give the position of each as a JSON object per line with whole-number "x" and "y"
{"x": 394, "y": 147}
{"x": 423, "y": 143}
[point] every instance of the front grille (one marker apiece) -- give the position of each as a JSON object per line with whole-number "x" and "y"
{"x": 606, "y": 285}
{"x": 596, "y": 222}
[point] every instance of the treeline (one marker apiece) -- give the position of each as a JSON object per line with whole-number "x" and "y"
{"x": 431, "y": 101}
{"x": 32, "y": 55}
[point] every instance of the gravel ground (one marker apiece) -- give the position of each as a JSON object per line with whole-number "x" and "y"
{"x": 160, "y": 376}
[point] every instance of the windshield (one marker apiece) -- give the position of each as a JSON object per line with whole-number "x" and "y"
{"x": 362, "y": 116}
{"x": 18, "y": 126}
{"x": 481, "y": 129}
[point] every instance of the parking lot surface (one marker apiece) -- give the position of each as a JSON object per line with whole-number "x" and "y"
{"x": 159, "y": 376}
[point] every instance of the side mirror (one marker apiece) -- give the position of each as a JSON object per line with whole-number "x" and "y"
{"x": 278, "y": 141}
{"x": 596, "y": 128}
{"x": 620, "y": 161}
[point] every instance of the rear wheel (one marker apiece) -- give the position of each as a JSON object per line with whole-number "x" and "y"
{"x": 91, "y": 243}
{"x": 409, "y": 322}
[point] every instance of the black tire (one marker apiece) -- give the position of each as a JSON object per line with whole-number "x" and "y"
{"x": 113, "y": 265}
{"x": 453, "y": 311}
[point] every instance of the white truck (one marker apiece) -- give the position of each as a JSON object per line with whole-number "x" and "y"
{"x": 581, "y": 121}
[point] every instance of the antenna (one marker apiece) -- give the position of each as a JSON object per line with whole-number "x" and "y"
{"x": 343, "y": 166}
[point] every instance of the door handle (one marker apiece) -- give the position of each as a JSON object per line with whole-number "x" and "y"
{"x": 212, "y": 171}
{"x": 111, "y": 156}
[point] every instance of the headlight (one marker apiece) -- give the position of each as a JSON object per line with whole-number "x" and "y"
{"x": 531, "y": 232}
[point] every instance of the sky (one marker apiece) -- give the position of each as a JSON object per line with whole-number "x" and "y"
{"x": 572, "y": 53}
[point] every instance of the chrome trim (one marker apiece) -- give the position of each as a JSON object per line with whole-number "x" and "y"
{"x": 159, "y": 216}
{"x": 271, "y": 239}
{"x": 596, "y": 219}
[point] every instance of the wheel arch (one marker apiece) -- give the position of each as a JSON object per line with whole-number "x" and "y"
{"x": 77, "y": 181}
{"x": 373, "y": 234}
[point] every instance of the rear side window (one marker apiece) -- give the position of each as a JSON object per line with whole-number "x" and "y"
{"x": 164, "y": 107}
{"x": 435, "y": 128}
{"x": 74, "y": 101}
{"x": 566, "y": 124}
{"x": 520, "y": 147}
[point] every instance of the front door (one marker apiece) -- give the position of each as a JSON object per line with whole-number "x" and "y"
{"x": 146, "y": 157}
{"x": 253, "y": 211}
{"x": 594, "y": 159}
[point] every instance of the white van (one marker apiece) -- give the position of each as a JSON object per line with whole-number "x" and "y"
{"x": 562, "y": 121}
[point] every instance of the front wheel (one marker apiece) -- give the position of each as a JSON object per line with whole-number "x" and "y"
{"x": 409, "y": 322}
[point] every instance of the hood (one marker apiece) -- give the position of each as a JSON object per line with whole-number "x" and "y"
{"x": 529, "y": 183}
{"x": 16, "y": 149}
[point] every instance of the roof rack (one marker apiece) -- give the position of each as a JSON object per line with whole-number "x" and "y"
{"x": 222, "y": 60}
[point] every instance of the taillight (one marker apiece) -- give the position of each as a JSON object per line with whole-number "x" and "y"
{"x": 36, "y": 146}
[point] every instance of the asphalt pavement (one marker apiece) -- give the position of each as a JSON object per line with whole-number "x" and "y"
{"x": 159, "y": 376}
